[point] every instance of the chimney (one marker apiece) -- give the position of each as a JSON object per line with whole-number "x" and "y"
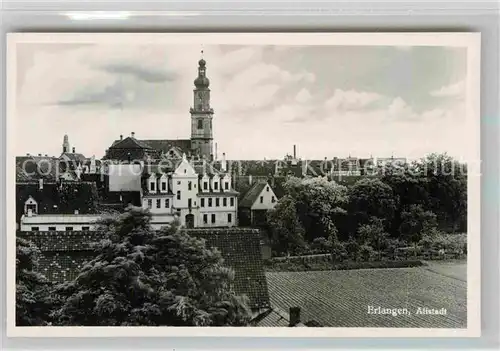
{"x": 132, "y": 134}
{"x": 121, "y": 136}
{"x": 74, "y": 149}
{"x": 28, "y": 154}
{"x": 39, "y": 155}
{"x": 294, "y": 316}
{"x": 224, "y": 163}
{"x": 30, "y": 212}
{"x": 294, "y": 151}
{"x": 40, "y": 184}
{"x": 77, "y": 212}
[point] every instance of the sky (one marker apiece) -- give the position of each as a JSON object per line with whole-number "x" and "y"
{"x": 331, "y": 101}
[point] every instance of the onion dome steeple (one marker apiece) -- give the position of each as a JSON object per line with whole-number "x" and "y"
{"x": 202, "y": 82}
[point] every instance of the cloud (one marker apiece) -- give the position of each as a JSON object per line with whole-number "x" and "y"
{"x": 351, "y": 100}
{"x": 303, "y": 96}
{"x": 147, "y": 74}
{"x": 452, "y": 90}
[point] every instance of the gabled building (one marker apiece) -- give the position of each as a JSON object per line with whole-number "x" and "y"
{"x": 255, "y": 203}
{"x": 197, "y": 197}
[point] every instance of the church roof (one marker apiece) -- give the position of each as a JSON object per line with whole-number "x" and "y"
{"x": 130, "y": 143}
{"x": 165, "y": 145}
{"x": 76, "y": 157}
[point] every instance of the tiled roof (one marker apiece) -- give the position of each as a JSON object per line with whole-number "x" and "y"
{"x": 130, "y": 143}
{"x": 76, "y": 157}
{"x": 32, "y": 168}
{"x": 62, "y": 198}
{"x": 165, "y": 145}
{"x": 63, "y": 253}
{"x": 249, "y": 198}
{"x": 242, "y": 252}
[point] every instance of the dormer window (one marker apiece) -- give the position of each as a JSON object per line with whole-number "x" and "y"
{"x": 151, "y": 186}
{"x": 30, "y": 206}
{"x": 226, "y": 185}
{"x": 163, "y": 186}
{"x": 205, "y": 185}
{"x": 216, "y": 185}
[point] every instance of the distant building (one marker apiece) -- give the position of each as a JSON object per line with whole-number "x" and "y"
{"x": 56, "y": 206}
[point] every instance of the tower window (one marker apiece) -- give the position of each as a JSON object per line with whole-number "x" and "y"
{"x": 200, "y": 124}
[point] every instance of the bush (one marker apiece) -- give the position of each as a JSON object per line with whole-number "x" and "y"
{"x": 321, "y": 244}
{"x": 366, "y": 252}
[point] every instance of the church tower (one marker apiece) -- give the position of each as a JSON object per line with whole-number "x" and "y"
{"x": 201, "y": 116}
{"x": 66, "y": 147}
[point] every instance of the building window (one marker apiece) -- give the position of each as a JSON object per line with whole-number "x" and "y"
{"x": 232, "y": 201}
{"x": 205, "y": 219}
{"x": 31, "y": 207}
{"x": 52, "y": 229}
{"x": 200, "y": 124}
{"x": 229, "y": 218}
{"x": 167, "y": 203}
{"x": 217, "y": 202}
{"x": 202, "y": 202}
{"x": 69, "y": 229}
{"x": 273, "y": 200}
{"x": 163, "y": 186}
{"x": 85, "y": 228}
{"x": 209, "y": 202}
{"x": 261, "y": 199}
{"x": 205, "y": 185}
{"x": 189, "y": 203}
{"x": 224, "y": 202}
{"x": 152, "y": 186}
{"x": 178, "y": 194}
{"x": 213, "y": 218}
{"x": 179, "y": 182}
{"x": 35, "y": 229}
{"x": 150, "y": 203}
{"x": 267, "y": 188}
{"x": 158, "y": 203}
{"x": 190, "y": 184}
{"x": 226, "y": 185}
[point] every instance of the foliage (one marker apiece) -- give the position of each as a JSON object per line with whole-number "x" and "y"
{"x": 148, "y": 278}
{"x": 33, "y": 301}
{"x": 415, "y": 221}
{"x": 352, "y": 247}
{"x": 319, "y": 203}
{"x": 287, "y": 233}
{"x": 369, "y": 198}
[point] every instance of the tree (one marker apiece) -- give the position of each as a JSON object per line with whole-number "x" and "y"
{"x": 373, "y": 234}
{"x": 368, "y": 198}
{"x": 415, "y": 221}
{"x": 352, "y": 247}
{"x": 319, "y": 204}
{"x": 33, "y": 291}
{"x": 142, "y": 277}
{"x": 287, "y": 233}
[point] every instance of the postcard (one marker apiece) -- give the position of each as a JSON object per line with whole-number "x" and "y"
{"x": 243, "y": 184}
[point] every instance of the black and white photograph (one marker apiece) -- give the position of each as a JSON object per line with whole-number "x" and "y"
{"x": 282, "y": 184}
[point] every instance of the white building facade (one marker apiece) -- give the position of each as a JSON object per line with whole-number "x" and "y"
{"x": 197, "y": 200}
